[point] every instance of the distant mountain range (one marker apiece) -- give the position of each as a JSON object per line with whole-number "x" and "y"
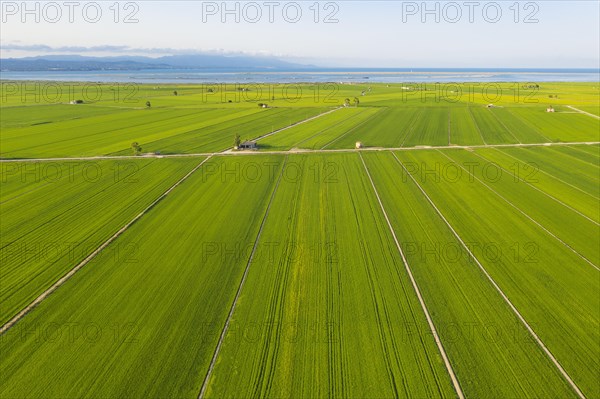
{"x": 196, "y": 61}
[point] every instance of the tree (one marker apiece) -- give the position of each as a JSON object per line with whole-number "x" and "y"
{"x": 356, "y": 101}
{"x": 347, "y": 102}
{"x": 136, "y": 148}
{"x": 175, "y": 92}
{"x": 148, "y": 104}
{"x": 237, "y": 141}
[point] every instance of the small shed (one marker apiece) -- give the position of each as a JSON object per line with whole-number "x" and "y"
{"x": 248, "y": 145}
{"x": 359, "y": 145}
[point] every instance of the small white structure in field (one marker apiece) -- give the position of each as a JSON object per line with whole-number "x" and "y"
{"x": 550, "y": 109}
{"x": 490, "y": 105}
{"x": 359, "y": 145}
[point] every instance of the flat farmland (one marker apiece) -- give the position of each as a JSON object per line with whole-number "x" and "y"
{"x": 158, "y": 130}
{"x": 544, "y": 264}
{"x": 561, "y": 126}
{"x": 315, "y": 293}
{"x": 540, "y": 206}
{"x": 518, "y": 127}
{"x": 389, "y": 129}
{"x": 21, "y": 116}
{"x": 590, "y": 149}
{"x": 455, "y": 255}
{"x": 579, "y": 175}
{"x": 159, "y": 310}
{"x": 432, "y": 128}
{"x": 526, "y": 171}
{"x": 69, "y": 211}
{"x": 493, "y": 131}
{"x": 463, "y": 129}
{"x": 322, "y": 132}
{"x": 595, "y": 110}
{"x": 488, "y": 346}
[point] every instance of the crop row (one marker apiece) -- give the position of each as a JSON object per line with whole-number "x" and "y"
{"x": 327, "y": 307}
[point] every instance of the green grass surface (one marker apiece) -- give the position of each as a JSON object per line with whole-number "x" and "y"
{"x": 463, "y": 129}
{"x": 329, "y": 300}
{"x": 145, "y": 327}
{"x": 485, "y": 341}
{"x": 54, "y": 214}
{"x": 327, "y": 308}
{"x": 527, "y": 264}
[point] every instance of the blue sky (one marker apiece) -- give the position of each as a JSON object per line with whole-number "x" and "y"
{"x": 358, "y": 34}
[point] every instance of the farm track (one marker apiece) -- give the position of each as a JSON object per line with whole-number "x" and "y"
{"x": 301, "y": 151}
{"x": 496, "y": 286}
{"x": 583, "y": 112}
{"x": 527, "y": 215}
{"x": 416, "y": 288}
{"x": 92, "y": 255}
{"x": 239, "y": 290}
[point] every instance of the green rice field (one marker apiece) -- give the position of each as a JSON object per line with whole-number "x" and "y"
{"x": 410, "y": 244}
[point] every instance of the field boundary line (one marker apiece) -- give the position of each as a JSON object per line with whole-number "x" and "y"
{"x": 449, "y": 126}
{"x": 549, "y": 174}
{"x": 497, "y": 287}
{"x": 326, "y": 129}
{"x": 436, "y": 337}
{"x": 295, "y": 124}
{"x": 240, "y": 287}
{"x": 81, "y": 264}
{"x": 297, "y": 151}
{"x": 583, "y": 112}
{"x": 528, "y": 123}
{"x": 477, "y": 126}
{"x": 352, "y": 129}
{"x": 504, "y": 126}
{"x": 540, "y": 190}
{"x": 411, "y": 126}
{"x": 584, "y": 152}
{"x": 524, "y": 214}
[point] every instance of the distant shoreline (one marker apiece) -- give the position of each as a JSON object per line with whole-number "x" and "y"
{"x": 348, "y": 76}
